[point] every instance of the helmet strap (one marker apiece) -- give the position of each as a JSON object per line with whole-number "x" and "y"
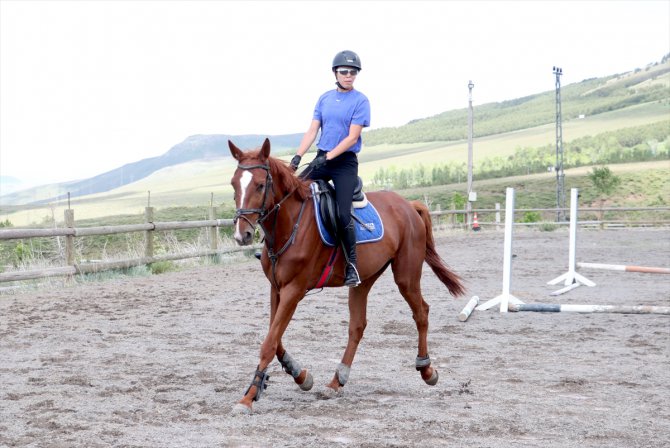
{"x": 337, "y": 83}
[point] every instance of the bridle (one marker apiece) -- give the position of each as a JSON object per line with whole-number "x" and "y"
{"x": 264, "y": 214}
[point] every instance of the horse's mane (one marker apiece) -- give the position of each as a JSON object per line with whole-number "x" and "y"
{"x": 283, "y": 177}
{"x": 286, "y": 180}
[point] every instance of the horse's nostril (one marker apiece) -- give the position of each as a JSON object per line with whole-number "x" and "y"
{"x": 248, "y": 236}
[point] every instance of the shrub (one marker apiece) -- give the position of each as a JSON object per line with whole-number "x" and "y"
{"x": 548, "y": 227}
{"x": 532, "y": 217}
{"x": 161, "y": 267}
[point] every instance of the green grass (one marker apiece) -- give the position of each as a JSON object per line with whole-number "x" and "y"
{"x": 503, "y": 145}
{"x": 643, "y": 184}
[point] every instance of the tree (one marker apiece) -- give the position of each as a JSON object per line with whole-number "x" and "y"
{"x": 605, "y": 182}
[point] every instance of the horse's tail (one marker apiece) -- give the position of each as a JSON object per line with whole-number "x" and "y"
{"x": 451, "y": 280}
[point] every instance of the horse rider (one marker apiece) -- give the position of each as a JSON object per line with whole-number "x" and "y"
{"x": 340, "y": 114}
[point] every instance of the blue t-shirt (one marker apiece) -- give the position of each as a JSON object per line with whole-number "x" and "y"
{"x": 337, "y": 111}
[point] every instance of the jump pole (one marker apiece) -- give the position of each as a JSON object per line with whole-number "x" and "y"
{"x": 620, "y": 309}
{"x": 506, "y": 297}
{"x": 571, "y": 279}
{"x": 469, "y": 308}
{"x": 620, "y": 267}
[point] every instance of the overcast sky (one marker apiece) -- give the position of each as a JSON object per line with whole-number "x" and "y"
{"x": 87, "y": 86}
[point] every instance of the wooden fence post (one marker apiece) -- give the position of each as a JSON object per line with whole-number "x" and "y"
{"x": 213, "y": 235}
{"x": 497, "y": 215}
{"x": 69, "y": 239}
{"x": 149, "y": 234}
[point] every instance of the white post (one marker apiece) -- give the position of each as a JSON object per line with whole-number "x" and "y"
{"x": 571, "y": 278}
{"x": 506, "y": 297}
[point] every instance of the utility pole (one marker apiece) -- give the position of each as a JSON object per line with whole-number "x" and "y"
{"x": 560, "y": 174}
{"x": 468, "y": 206}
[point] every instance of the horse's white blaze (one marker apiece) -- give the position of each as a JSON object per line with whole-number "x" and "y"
{"x": 245, "y": 180}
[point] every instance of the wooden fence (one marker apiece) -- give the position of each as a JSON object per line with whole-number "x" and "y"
{"x": 149, "y": 227}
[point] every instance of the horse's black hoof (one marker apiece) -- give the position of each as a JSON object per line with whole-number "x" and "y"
{"x": 257, "y": 255}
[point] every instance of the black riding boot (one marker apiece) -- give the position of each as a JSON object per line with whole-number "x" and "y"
{"x": 348, "y": 238}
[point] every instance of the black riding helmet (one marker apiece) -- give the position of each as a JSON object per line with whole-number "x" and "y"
{"x": 347, "y": 58}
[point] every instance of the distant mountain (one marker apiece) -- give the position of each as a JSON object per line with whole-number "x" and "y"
{"x": 195, "y": 147}
{"x": 9, "y": 184}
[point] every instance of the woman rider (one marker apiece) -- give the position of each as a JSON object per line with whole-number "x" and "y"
{"x": 340, "y": 114}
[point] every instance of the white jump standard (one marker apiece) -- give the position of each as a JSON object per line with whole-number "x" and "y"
{"x": 506, "y": 297}
{"x": 571, "y": 279}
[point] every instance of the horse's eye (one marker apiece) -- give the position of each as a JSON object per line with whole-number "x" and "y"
{"x": 260, "y": 187}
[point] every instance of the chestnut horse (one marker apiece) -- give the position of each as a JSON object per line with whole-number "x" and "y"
{"x": 269, "y": 194}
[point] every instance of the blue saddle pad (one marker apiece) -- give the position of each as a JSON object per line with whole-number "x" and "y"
{"x": 368, "y": 224}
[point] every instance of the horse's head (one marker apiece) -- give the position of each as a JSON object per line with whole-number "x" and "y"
{"x": 252, "y": 183}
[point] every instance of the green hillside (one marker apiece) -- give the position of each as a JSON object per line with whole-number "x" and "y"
{"x": 589, "y": 97}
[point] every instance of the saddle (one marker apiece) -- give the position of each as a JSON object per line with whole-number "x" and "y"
{"x": 327, "y": 205}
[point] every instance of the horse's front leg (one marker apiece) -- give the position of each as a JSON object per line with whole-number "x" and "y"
{"x": 282, "y": 306}
{"x": 358, "y": 302}
{"x": 302, "y": 377}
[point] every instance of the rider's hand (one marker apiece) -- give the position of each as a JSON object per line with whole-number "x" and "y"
{"x": 318, "y": 162}
{"x": 295, "y": 162}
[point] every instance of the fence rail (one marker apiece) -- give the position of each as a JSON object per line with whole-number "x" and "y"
{"x": 70, "y": 232}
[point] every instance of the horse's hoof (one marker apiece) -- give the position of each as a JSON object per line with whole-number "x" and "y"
{"x": 241, "y": 409}
{"x": 308, "y": 383}
{"x": 433, "y": 379}
{"x": 328, "y": 393}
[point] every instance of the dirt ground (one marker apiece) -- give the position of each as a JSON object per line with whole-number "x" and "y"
{"x": 160, "y": 361}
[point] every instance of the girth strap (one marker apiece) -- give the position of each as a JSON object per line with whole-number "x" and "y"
{"x": 328, "y": 270}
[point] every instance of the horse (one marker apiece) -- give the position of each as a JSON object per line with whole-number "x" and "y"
{"x": 269, "y": 194}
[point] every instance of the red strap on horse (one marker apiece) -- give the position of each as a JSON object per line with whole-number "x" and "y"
{"x": 328, "y": 270}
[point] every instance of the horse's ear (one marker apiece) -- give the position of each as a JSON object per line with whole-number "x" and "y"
{"x": 235, "y": 151}
{"x": 265, "y": 150}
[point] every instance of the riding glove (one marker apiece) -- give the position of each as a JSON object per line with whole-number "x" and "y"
{"x": 295, "y": 162}
{"x": 318, "y": 162}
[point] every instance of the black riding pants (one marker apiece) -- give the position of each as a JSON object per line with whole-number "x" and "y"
{"x": 343, "y": 171}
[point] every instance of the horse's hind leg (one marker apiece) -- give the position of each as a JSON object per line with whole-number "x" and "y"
{"x": 407, "y": 275}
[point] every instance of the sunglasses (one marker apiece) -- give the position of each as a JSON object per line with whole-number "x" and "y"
{"x": 345, "y": 72}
